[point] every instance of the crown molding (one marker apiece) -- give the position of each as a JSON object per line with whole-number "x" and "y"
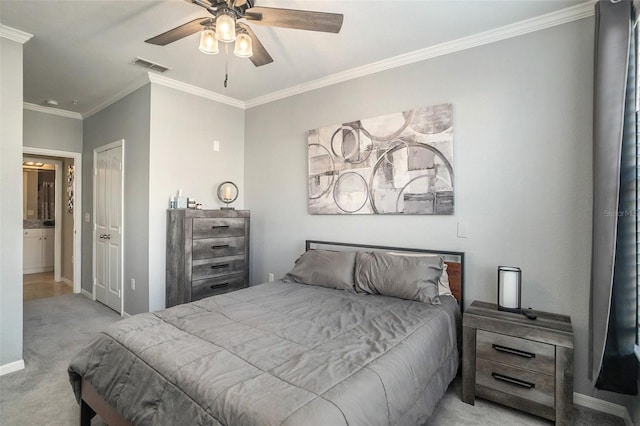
{"x": 119, "y": 95}
{"x": 563, "y": 16}
{"x": 151, "y": 77}
{"x": 54, "y": 111}
{"x": 14, "y": 34}
{"x": 195, "y": 90}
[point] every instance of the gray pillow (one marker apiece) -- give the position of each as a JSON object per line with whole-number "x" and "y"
{"x": 411, "y": 278}
{"x": 325, "y": 268}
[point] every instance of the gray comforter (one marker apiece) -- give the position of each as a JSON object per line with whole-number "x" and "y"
{"x": 277, "y": 354}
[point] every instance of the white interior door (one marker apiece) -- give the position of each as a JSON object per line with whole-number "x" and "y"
{"x": 108, "y": 195}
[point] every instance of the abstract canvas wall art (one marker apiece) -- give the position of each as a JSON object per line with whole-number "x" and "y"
{"x": 399, "y": 163}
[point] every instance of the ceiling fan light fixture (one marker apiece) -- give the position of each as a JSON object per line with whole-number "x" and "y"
{"x": 226, "y": 26}
{"x": 244, "y": 46}
{"x": 208, "y": 41}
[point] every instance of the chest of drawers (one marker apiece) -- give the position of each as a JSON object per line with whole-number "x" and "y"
{"x": 207, "y": 253}
{"x": 525, "y": 364}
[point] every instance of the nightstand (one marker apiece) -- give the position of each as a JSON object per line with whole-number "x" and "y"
{"x": 525, "y": 364}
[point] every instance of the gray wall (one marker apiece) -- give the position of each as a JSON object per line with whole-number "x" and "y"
{"x": 183, "y": 128}
{"x": 522, "y": 155}
{"x": 126, "y": 119}
{"x": 49, "y": 131}
{"x": 10, "y": 207}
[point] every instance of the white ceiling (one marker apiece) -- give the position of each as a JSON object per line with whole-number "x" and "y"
{"x": 83, "y": 50}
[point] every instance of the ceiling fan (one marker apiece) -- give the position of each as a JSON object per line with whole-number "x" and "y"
{"x": 229, "y": 23}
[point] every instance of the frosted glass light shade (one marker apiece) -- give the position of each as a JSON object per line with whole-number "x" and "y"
{"x": 244, "y": 46}
{"x": 225, "y": 27}
{"x": 509, "y": 288}
{"x": 208, "y": 42}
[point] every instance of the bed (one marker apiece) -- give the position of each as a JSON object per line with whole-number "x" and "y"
{"x": 287, "y": 352}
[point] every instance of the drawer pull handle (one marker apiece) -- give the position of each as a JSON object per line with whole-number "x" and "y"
{"x": 215, "y": 286}
{"x": 518, "y": 382}
{"x": 220, "y": 247}
{"x": 219, "y": 226}
{"x": 224, "y": 265}
{"x": 512, "y": 351}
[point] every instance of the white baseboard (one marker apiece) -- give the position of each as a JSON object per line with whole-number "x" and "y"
{"x": 603, "y": 406}
{"x": 87, "y": 294}
{"x": 11, "y": 367}
{"x": 627, "y": 419}
{"x": 37, "y": 270}
{"x": 125, "y": 315}
{"x": 67, "y": 281}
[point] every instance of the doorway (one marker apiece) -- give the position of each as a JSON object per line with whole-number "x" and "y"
{"x": 67, "y": 187}
{"x": 108, "y": 213}
{"x": 42, "y": 216}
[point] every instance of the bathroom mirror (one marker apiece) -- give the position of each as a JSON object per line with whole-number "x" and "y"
{"x": 38, "y": 193}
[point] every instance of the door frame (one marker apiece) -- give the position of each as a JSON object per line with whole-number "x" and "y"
{"x": 77, "y": 211}
{"x": 57, "y": 212}
{"x": 102, "y": 148}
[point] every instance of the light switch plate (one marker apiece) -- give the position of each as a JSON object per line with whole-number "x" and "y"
{"x": 463, "y": 230}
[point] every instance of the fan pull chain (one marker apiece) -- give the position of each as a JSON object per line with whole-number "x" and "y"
{"x": 226, "y": 64}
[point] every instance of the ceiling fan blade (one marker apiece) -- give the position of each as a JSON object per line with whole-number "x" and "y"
{"x": 177, "y": 33}
{"x": 296, "y": 19}
{"x": 204, "y": 3}
{"x": 260, "y": 55}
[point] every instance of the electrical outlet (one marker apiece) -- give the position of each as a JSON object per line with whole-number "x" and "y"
{"x": 87, "y": 217}
{"x": 271, "y": 277}
{"x": 216, "y": 146}
{"x": 133, "y": 284}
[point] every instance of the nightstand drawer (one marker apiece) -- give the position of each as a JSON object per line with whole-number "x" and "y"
{"x": 217, "y": 247}
{"x": 218, "y": 227}
{"x": 205, "y": 268}
{"x": 218, "y": 285}
{"x": 526, "y": 384}
{"x": 517, "y": 352}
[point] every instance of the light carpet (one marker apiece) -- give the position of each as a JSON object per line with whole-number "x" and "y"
{"x": 56, "y": 328}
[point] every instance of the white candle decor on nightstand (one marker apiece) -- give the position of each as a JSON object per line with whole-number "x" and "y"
{"x": 509, "y": 288}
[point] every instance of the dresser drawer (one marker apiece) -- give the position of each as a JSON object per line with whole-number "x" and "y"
{"x": 217, "y": 285}
{"x": 208, "y": 248}
{"x": 517, "y": 352}
{"x": 205, "y": 268}
{"x": 36, "y": 232}
{"x": 220, "y": 227}
{"x": 526, "y": 384}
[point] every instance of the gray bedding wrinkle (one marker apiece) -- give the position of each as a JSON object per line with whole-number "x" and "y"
{"x": 277, "y": 353}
